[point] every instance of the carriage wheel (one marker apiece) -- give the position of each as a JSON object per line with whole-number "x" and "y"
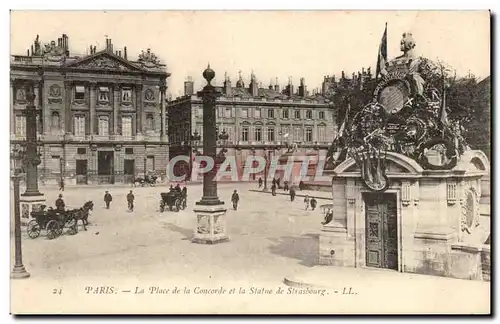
{"x": 33, "y": 229}
{"x": 162, "y": 207}
{"x": 52, "y": 229}
{"x": 72, "y": 230}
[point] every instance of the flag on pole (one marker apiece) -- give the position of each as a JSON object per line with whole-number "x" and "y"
{"x": 382, "y": 53}
{"x": 344, "y": 122}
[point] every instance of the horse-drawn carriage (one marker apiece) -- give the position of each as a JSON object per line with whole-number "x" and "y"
{"x": 149, "y": 179}
{"x": 55, "y": 221}
{"x": 174, "y": 200}
{"x": 52, "y": 221}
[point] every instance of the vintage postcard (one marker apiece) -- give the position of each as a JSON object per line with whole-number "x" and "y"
{"x": 250, "y": 162}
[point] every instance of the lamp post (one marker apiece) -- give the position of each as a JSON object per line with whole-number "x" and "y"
{"x": 18, "y": 272}
{"x": 61, "y": 180}
{"x": 31, "y": 199}
{"x": 210, "y": 212}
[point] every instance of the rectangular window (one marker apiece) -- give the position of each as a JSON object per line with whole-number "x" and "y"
{"x": 244, "y": 112}
{"x": 309, "y": 135}
{"x": 285, "y": 114}
{"x": 150, "y": 122}
{"x": 129, "y": 150}
{"x": 220, "y": 112}
{"x": 103, "y": 125}
{"x": 296, "y": 134}
{"x": 228, "y": 112}
{"x": 126, "y": 95}
{"x": 127, "y": 126}
{"x": 321, "y": 134}
{"x": 81, "y": 150}
{"x": 150, "y": 163}
{"x": 309, "y": 114}
{"x": 79, "y": 125}
{"x": 258, "y": 134}
{"x": 244, "y": 134}
{"x": 20, "y": 125}
{"x": 79, "y": 92}
{"x": 270, "y": 134}
{"x": 284, "y": 134}
{"x": 256, "y": 113}
{"x": 270, "y": 113}
{"x": 200, "y": 111}
{"x": 104, "y": 94}
{"x": 297, "y": 114}
{"x": 55, "y": 164}
{"x": 321, "y": 115}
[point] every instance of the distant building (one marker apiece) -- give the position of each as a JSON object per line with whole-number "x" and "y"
{"x": 103, "y": 116}
{"x": 257, "y": 120}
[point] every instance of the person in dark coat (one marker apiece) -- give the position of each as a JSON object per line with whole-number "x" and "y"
{"x": 274, "y": 182}
{"x": 60, "y": 205}
{"x": 278, "y": 183}
{"x": 260, "y": 182}
{"x": 171, "y": 188}
{"x": 301, "y": 185}
{"x": 235, "y": 198}
{"x": 285, "y": 186}
{"x": 130, "y": 201}
{"x": 107, "y": 199}
{"x": 184, "y": 194}
{"x": 178, "y": 188}
{"x": 273, "y": 189}
{"x": 292, "y": 193}
{"x": 313, "y": 203}
{"x": 61, "y": 184}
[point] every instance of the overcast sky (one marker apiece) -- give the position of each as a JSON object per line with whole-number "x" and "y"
{"x": 273, "y": 44}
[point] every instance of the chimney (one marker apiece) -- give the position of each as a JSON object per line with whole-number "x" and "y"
{"x": 125, "y": 52}
{"x": 109, "y": 45}
{"x": 59, "y": 41}
{"x": 95, "y": 49}
{"x": 120, "y": 53}
{"x": 302, "y": 88}
{"x": 343, "y": 75}
{"x": 254, "y": 87}
{"x": 31, "y": 50}
{"x": 66, "y": 44}
{"x": 227, "y": 86}
{"x": 28, "y": 52}
{"x": 116, "y": 53}
{"x": 277, "y": 86}
{"x": 188, "y": 87}
{"x": 289, "y": 87}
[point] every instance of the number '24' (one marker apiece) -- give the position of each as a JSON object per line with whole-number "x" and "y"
{"x": 57, "y": 291}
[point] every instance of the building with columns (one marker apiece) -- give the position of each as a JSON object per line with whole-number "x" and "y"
{"x": 257, "y": 119}
{"x": 102, "y": 116}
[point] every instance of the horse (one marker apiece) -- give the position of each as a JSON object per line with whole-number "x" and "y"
{"x": 82, "y": 214}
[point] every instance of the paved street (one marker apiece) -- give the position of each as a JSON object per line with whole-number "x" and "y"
{"x": 270, "y": 238}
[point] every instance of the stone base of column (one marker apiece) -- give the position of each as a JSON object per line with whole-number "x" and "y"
{"x": 19, "y": 273}
{"x": 210, "y": 225}
{"x": 29, "y": 204}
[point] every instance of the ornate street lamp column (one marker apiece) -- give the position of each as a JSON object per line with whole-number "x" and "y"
{"x": 210, "y": 211}
{"x": 193, "y": 150}
{"x": 18, "y": 272}
{"x": 32, "y": 198}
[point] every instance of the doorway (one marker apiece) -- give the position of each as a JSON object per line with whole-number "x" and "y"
{"x": 129, "y": 170}
{"x": 381, "y": 230}
{"x": 105, "y": 161}
{"x": 81, "y": 171}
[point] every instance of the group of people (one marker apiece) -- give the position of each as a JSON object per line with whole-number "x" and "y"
{"x": 309, "y": 202}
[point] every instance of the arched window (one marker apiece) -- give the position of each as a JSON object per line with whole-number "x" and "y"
{"x": 150, "y": 122}
{"x": 55, "y": 120}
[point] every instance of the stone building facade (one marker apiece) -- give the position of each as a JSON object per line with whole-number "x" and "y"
{"x": 102, "y": 117}
{"x": 259, "y": 121}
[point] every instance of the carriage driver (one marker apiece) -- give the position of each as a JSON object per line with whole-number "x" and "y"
{"x": 60, "y": 205}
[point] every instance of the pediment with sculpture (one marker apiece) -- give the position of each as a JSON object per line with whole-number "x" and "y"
{"x": 104, "y": 61}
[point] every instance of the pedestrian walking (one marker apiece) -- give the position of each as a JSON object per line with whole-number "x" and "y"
{"x": 306, "y": 202}
{"x": 130, "y": 201}
{"x": 61, "y": 184}
{"x": 292, "y": 193}
{"x": 273, "y": 189}
{"x": 184, "y": 196}
{"x": 285, "y": 186}
{"x": 260, "y": 182}
{"x": 313, "y": 203}
{"x": 274, "y": 182}
{"x": 278, "y": 183}
{"x": 107, "y": 199}
{"x": 301, "y": 185}
{"x": 235, "y": 198}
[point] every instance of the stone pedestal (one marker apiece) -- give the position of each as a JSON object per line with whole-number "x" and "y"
{"x": 29, "y": 204}
{"x": 210, "y": 225}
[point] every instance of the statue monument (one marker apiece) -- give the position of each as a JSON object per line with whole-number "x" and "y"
{"x": 406, "y": 189}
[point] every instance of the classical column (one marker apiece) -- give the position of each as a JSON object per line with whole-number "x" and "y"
{"x": 93, "y": 101}
{"x": 163, "y": 89}
{"x": 12, "y": 114}
{"x": 67, "y": 106}
{"x": 210, "y": 212}
{"x": 116, "y": 108}
{"x": 138, "y": 108}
